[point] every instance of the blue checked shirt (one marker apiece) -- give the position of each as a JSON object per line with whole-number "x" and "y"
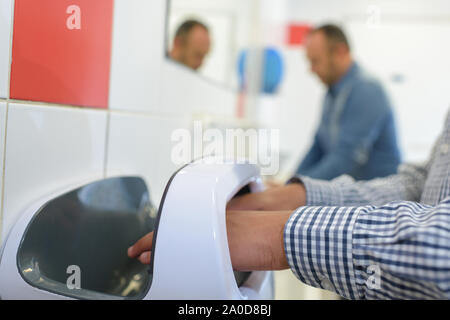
{"x": 387, "y": 238}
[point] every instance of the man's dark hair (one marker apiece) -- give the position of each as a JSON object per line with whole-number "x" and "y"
{"x": 334, "y": 34}
{"x": 186, "y": 27}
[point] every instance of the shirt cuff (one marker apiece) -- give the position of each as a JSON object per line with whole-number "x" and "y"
{"x": 318, "y": 247}
{"x": 320, "y": 192}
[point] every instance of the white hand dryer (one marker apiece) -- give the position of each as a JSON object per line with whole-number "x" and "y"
{"x": 73, "y": 244}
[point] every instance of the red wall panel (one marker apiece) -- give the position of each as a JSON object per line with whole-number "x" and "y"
{"x": 297, "y": 34}
{"x": 62, "y": 51}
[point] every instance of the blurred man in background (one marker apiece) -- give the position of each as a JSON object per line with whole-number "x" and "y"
{"x": 191, "y": 44}
{"x": 357, "y": 134}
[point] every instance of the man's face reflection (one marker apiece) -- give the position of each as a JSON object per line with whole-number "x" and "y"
{"x": 192, "y": 48}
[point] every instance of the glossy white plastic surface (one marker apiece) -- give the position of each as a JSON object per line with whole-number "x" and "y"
{"x": 12, "y": 285}
{"x": 191, "y": 249}
{"x": 191, "y": 256}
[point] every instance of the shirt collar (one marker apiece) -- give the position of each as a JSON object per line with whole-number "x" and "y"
{"x": 346, "y": 78}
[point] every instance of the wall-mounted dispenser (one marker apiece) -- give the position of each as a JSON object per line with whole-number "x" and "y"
{"x": 73, "y": 244}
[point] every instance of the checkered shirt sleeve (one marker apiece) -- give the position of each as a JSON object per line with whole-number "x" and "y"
{"x": 387, "y": 238}
{"x": 345, "y": 191}
{"x": 397, "y": 251}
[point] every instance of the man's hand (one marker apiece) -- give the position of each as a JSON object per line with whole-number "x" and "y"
{"x": 288, "y": 197}
{"x": 255, "y": 240}
{"x": 141, "y": 249}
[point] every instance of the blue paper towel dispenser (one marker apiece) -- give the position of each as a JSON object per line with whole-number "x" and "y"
{"x": 73, "y": 244}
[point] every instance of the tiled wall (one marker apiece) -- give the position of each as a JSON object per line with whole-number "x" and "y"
{"x": 46, "y": 145}
{"x": 5, "y": 34}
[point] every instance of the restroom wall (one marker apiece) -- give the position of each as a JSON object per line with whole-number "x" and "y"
{"x": 46, "y": 145}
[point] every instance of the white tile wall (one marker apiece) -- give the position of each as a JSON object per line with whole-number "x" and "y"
{"x": 184, "y": 92}
{"x": 5, "y": 33}
{"x": 137, "y": 54}
{"x": 48, "y": 148}
{"x": 141, "y": 145}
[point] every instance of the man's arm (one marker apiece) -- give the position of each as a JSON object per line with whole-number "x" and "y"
{"x": 406, "y": 185}
{"x": 255, "y": 240}
{"x": 397, "y": 251}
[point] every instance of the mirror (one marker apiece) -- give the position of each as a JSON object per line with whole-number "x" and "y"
{"x": 202, "y": 35}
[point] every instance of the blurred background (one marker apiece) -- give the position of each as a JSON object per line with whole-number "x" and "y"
{"x": 78, "y": 105}
{"x": 400, "y": 42}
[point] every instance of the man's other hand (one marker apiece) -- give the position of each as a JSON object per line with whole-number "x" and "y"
{"x": 141, "y": 249}
{"x": 287, "y": 197}
{"x": 255, "y": 240}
